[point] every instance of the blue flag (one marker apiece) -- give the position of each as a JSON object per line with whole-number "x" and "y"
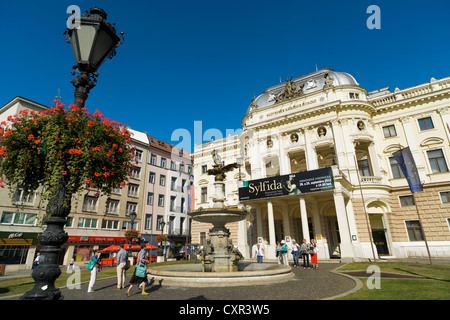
{"x": 406, "y": 161}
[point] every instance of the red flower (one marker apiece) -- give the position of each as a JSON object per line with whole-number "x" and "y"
{"x": 37, "y": 141}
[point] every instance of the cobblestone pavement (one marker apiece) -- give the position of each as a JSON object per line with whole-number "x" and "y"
{"x": 308, "y": 284}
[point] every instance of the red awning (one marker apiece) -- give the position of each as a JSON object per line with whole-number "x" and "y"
{"x": 126, "y": 246}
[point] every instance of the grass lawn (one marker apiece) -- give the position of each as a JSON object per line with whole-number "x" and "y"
{"x": 437, "y": 288}
{"x": 14, "y": 286}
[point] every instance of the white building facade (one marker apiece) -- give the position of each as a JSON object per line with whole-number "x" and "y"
{"x": 327, "y": 120}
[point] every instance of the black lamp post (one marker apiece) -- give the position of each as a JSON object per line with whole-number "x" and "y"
{"x": 93, "y": 42}
{"x": 132, "y": 217}
{"x": 161, "y": 248}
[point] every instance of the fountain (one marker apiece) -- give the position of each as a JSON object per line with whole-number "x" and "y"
{"x": 219, "y": 254}
{"x": 221, "y": 262}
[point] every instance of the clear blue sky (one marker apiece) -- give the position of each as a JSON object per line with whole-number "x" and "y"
{"x": 203, "y": 60}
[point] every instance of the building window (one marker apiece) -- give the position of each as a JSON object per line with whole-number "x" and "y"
{"x": 112, "y": 206}
{"x": 18, "y": 218}
{"x": 437, "y": 161}
{"x": 173, "y": 184}
{"x": 148, "y": 221}
{"x": 127, "y": 225}
{"x": 133, "y": 190}
{"x": 181, "y": 167}
{"x": 116, "y": 190}
{"x": 389, "y": 131}
{"x": 397, "y": 172}
{"x": 204, "y": 168}
{"x": 159, "y": 221}
{"x": 131, "y": 207}
{"x": 152, "y": 177}
{"x": 163, "y": 162}
{"x": 110, "y": 224}
{"x": 90, "y": 204}
{"x": 162, "y": 180}
{"x": 87, "y": 223}
{"x": 364, "y": 168}
{"x": 172, "y": 203}
{"x": 150, "y": 198}
{"x": 414, "y": 230}
{"x": 445, "y": 196}
{"x": 425, "y": 124}
{"x": 23, "y": 198}
{"x": 153, "y": 159}
{"x": 161, "y": 200}
{"x": 204, "y": 194}
{"x": 406, "y": 201}
{"x": 138, "y": 155}
{"x": 173, "y": 165}
{"x": 136, "y": 173}
{"x": 183, "y": 209}
{"x": 354, "y": 95}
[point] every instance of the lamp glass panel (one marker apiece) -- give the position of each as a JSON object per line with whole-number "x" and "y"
{"x": 86, "y": 36}
{"x": 103, "y": 45}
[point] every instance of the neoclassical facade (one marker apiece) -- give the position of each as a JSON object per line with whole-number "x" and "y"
{"x": 327, "y": 120}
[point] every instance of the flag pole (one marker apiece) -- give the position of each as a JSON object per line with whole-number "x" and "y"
{"x": 365, "y": 211}
{"x": 404, "y": 156}
{"x": 421, "y": 227}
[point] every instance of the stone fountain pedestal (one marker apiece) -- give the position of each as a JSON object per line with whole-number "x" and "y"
{"x": 219, "y": 254}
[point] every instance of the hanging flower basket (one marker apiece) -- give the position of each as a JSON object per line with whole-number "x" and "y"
{"x": 161, "y": 238}
{"x": 131, "y": 234}
{"x": 89, "y": 150}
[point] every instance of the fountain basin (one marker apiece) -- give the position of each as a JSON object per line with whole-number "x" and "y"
{"x": 248, "y": 274}
{"x": 218, "y": 216}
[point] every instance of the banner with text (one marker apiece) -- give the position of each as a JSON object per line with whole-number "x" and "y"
{"x": 289, "y": 184}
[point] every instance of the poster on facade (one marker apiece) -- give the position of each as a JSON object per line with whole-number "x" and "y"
{"x": 289, "y": 184}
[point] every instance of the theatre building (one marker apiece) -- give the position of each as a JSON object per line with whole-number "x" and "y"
{"x": 316, "y": 155}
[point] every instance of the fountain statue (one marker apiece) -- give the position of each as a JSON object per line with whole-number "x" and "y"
{"x": 219, "y": 253}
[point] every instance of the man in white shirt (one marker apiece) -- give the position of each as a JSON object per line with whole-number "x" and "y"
{"x": 259, "y": 253}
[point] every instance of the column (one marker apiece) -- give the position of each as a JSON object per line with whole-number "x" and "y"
{"x": 271, "y": 223}
{"x": 344, "y": 232}
{"x": 304, "y": 218}
{"x": 283, "y": 157}
{"x": 286, "y": 223}
{"x": 310, "y": 152}
{"x": 259, "y": 223}
{"x": 270, "y": 249}
{"x": 339, "y": 146}
{"x": 374, "y": 160}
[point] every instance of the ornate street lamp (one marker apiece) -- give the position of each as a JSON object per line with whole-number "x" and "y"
{"x": 93, "y": 42}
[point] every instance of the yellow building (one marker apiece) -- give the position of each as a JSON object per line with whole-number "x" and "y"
{"x": 327, "y": 120}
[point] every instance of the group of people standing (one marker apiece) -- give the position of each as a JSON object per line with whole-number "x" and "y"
{"x": 305, "y": 250}
{"x": 138, "y": 278}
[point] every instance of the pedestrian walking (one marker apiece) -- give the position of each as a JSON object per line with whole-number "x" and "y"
{"x": 304, "y": 248}
{"x": 96, "y": 265}
{"x": 278, "y": 253}
{"x": 284, "y": 251}
{"x": 70, "y": 266}
{"x": 139, "y": 277}
{"x": 295, "y": 249}
{"x": 122, "y": 266}
{"x": 36, "y": 261}
{"x": 259, "y": 252}
{"x": 313, "y": 252}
